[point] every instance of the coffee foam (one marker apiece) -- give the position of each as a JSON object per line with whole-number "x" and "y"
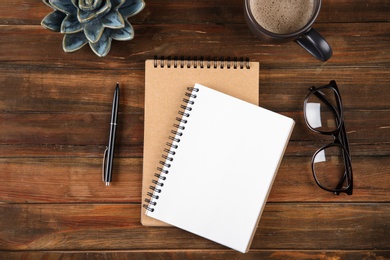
{"x": 282, "y": 16}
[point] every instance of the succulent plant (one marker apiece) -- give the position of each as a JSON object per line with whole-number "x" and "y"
{"x": 96, "y": 22}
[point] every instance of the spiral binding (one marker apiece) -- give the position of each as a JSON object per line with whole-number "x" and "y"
{"x": 170, "y": 152}
{"x": 195, "y": 62}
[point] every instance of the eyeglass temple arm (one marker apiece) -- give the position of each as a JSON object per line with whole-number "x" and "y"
{"x": 343, "y": 139}
{"x": 340, "y": 184}
{"x": 347, "y": 161}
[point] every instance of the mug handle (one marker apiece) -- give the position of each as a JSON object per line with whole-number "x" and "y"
{"x": 315, "y": 44}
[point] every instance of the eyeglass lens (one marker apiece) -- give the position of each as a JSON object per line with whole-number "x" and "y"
{"x": 330, "y": 169}
{"x": 322, "y": 110}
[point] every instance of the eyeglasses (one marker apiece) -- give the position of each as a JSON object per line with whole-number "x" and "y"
{"x": 331, "y": 164}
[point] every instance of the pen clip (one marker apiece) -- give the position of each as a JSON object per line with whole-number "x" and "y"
{"x": 104, "y": 162}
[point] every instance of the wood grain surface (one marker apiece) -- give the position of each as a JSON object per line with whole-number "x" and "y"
{"x": 55, "y": 110}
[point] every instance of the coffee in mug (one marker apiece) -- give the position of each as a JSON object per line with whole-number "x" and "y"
{"x": 282, "y": 16}
{"x": 288, "y": 20}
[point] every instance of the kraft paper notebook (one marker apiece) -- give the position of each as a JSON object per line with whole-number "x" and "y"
{"x": 165, "y": 82}
{"x": 218, "y": 170}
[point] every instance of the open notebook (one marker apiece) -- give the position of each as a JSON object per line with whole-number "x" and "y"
{"x": 219, "y": 167}
{"x": 165, "y": 82}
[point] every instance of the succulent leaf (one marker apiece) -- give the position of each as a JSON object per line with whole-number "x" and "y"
{"x": 117, "y": 3}
{"x": 102, "y": 47}
{"x": 113, "y": 20}
{"x": 53, "y": 21}
{"x": 71, "y": 25}
{"x": 93, "y": 30}
{"x": 131, "y": 8}
{"x": 74, "y": 42}
{"x": 65, "y": 6}
{"x": 123, "y": 34}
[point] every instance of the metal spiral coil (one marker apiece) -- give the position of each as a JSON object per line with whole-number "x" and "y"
{"x": 170, "y": 152}
{"x": 195, "y": 62}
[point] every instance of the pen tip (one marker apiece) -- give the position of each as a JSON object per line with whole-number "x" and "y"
{"x": 107, "y": 184}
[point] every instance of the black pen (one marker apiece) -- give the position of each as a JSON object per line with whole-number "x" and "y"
{"x": 109, "y": 152}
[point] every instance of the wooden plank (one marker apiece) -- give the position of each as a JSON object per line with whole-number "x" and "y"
{"x": 74, "y": 179}
{"x": 125, "y": 148}
{"x": 39, "y": 89}
{"x": 135, "y": 150}
{"x": 227, "y": 11}
{"x": 55, "y": 90}
{"x": 67, "y": 129}
{"x": 363, "y": 127}
{"x": 33, "y": 45}
{"x": 195, "y": 254}
{"x": 332, "y": 226}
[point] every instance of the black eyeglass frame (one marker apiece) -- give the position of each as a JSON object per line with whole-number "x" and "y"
{"x": 339, "y": 135}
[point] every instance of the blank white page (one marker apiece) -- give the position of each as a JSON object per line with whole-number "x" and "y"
{"x": 223, "y": 169}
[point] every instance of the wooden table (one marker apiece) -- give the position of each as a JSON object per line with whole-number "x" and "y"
{"x": 55, "y": 110}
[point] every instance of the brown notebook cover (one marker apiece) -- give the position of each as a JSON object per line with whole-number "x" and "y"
{"x": 165, "y": 83}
